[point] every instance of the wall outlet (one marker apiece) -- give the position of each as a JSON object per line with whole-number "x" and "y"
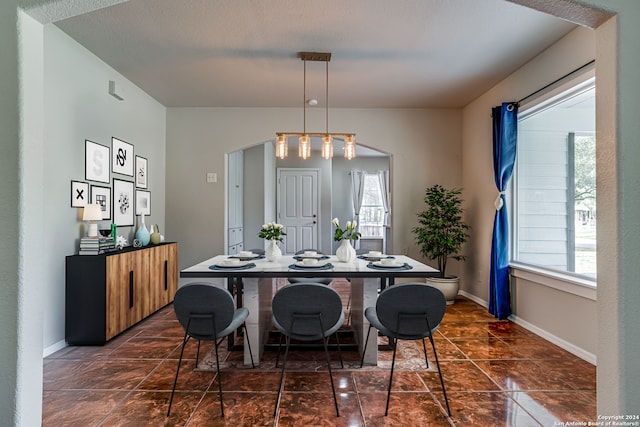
{"x": 212, "y": 177}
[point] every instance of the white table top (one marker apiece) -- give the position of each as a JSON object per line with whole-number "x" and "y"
{"x": 263, "y": 268}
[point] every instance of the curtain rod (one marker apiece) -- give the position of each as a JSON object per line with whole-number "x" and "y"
{"x": 557, "y": 80}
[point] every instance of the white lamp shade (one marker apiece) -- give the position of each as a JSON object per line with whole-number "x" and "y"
{"x": 92, "y": 213}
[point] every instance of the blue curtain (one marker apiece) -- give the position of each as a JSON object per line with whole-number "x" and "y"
{"x": 505, "y": 136}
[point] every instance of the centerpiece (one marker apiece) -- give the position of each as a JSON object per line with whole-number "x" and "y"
{"x": 274, "y": 233}
{"x": 345, "y": 252}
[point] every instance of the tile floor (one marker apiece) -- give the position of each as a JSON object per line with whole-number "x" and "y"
{"x": 496, "y": 373}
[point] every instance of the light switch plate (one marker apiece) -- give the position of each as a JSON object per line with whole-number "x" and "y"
{"x": 212, "y": 177}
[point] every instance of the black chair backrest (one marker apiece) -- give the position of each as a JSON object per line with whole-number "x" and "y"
{"x": 412, "y": 298}
{"x": 306, "y": 298}
{"x": 197, "y": 303}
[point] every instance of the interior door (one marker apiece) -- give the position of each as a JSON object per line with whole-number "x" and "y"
{"x": 298, "y": 208}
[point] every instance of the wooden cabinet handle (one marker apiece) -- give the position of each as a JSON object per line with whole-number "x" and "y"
{"x": 131, "y": 289}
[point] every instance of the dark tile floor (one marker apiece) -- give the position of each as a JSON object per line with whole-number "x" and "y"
{"x": 496, "y": 374}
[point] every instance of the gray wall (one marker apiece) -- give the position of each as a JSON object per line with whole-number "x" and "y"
{"x": 77, "y": 106}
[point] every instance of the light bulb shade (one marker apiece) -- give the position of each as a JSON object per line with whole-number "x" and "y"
{"x": 349, "y": 148}
{"x": 304, "y": 147}
{"x": 282, "y": 147}
{"x": 92, "y": 213}
{"x": 327, "y": 147}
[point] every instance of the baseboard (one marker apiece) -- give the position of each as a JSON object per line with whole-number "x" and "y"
{"x": 474, "y": 298}
{"x": 53, "y": 348}
{"x": 565, "y": 345}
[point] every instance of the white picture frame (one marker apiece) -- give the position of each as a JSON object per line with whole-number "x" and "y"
{"x": 122, "y": 157}
{"x": 96, "y": 162}
{"x": 142, "y": 172}
{"x": 123, "y": 203}
{"x": 143, "y": 202}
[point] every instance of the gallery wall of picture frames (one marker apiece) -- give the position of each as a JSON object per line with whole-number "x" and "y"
{"x": 120, "y": 200}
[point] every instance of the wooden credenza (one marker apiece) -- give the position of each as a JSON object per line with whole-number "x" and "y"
{"x": 106, "y": 294}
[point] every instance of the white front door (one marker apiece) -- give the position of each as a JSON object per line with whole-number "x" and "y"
{"x": 298, "y": 207}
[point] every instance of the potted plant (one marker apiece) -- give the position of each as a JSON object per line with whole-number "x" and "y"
{"x": 441, "y": 234}
{"x": 272, "y": 232}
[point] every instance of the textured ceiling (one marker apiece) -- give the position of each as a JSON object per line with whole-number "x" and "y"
{"x": 243, "y": 53}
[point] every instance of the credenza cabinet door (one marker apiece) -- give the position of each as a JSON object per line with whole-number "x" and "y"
{"x": 127, "y": 291}
{"x": 106, "y": 294}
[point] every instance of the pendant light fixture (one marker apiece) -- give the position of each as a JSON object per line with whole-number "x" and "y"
{"x": 304, "y": 137}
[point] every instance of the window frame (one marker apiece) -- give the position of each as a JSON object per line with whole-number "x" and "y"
{"x": 575, "y": 283}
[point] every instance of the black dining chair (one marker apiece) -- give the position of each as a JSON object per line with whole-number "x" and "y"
{"x": 408, "y": 311}
{"x": 307, "y": 312}
{"x": 207, "y": 313}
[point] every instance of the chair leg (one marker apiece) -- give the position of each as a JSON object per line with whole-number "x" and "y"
{"x": 279, "y": 347}
{"x": 198, "y": 354}
{"x": 175, "y": 380}
{"x": 424, "y": 348}
{"x": 219, "y": 379}
{"x": 393, "y": 363}
{"x": 333, "y": 389}
{"x": 339, "y": 351}
{"x": 284, "y": 363}
{"x": 246, "y": 337}
{"x": 435, "y": 355}
{"x": 364, "y": 349}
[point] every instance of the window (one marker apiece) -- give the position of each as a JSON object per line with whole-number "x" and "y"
{"x": 372, "y": 210}
{"x": 554, "y": 185}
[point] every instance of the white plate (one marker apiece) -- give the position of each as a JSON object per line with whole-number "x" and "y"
{"x": 243, "y": 257}
{"x": 390, "y": 265}
{"x": 225, "y": 264}
{"x": 303, "y": 265}
{"x": 318, "y": 256}
{"x": 369, "y": 256}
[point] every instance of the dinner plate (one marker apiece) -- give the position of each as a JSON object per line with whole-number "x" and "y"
{"x": 229, "y": 265}
{"x": 370, "y": 257}
{"x": 310, "y": 266}
{"x": 244, "y": 258}
{"x": 394, "y": 265}
{"x": 318, "y": 256}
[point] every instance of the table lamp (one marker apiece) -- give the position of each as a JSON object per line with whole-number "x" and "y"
{"x": 92, "y": 213}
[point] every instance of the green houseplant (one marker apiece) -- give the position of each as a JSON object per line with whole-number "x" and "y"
{"x": 442, "y": 232}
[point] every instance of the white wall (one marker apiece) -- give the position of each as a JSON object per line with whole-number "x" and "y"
{"x": 426, "y": 147}
{"x": 77, "y": 106}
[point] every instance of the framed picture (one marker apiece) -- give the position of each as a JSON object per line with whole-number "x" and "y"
{"x": 102, "y": 196}
{"x": 123, "y": 207}
{"x": 143, "y": 202}
{"x": 79, "y": 194}
{"x": 121, "y": 157}
{"x": 96, "y": 162}
{"x": 141, "y": 172}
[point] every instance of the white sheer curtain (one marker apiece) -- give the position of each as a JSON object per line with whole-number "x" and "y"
{"x": 357, "y": 191}
{"x": 385, "y": 192}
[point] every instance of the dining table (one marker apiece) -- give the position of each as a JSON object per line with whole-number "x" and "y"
{"x": 366, "y": 274}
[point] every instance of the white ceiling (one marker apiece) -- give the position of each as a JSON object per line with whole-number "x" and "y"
{"x": 385, "y": 53}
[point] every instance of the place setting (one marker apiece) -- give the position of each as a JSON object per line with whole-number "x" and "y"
{"x": 246, "y": 256}
{"x": 311, "y": 264}
{"x": 232, "y": 263}
{"x": 374, "y": 256}
{"x": 389, "y": 264}
{"x": 310, "y": 255}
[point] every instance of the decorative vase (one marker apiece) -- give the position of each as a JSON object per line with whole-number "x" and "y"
{"x": 345, "y": 251}
{"x": 142, "y": 234}
{"x": 155, "y": 234}
{"x": 273, "y": 252}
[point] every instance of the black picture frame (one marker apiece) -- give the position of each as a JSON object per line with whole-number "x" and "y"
{"x": 102, "y": 196}
{"x": 143, "y": 202}
{"x": 122, "y": 157}
{"x": 123, "y": 203}
{"x": 97, "y": 164}
{"x": 142, "y": 172}
{"x": 80, "y": 196}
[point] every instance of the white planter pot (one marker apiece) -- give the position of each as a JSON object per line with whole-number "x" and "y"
{"x": 449, "y": 287}
{"x": 345, "y": 252}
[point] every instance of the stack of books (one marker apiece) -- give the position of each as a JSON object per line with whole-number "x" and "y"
{"x": 96, "y": 245}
